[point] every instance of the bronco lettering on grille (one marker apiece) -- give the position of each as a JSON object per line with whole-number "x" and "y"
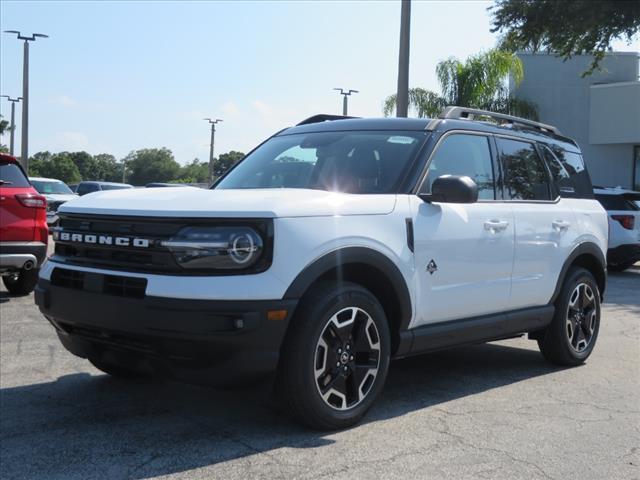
{"x": 102, "y": 239}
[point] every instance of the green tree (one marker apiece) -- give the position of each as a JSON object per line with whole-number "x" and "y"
{"x": 479, "y": 82}
{"x": 225, "y": 161}
{"x": 108, "y": 168}
{"x": 87, "y": 165}
{"x": 194, "y": 172}
{"x": 151, "y": 165}
{"x": 59, "y": 166}
{"x": 4, "y": 126}
{"x": 566, "y": 28}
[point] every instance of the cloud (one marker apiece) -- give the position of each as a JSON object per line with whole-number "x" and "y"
{"x": 231, "y": 109}
{"x": 71, "y": 141}
{"x": 275, "y": 117}
{"x": 64, "y": 101}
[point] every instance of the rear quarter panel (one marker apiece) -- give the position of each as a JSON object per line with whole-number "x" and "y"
{"x": 593, "y": 224}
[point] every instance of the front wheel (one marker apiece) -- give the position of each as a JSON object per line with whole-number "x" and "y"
{"x": 335, "y": 358}
{"x": 571, "y": 336}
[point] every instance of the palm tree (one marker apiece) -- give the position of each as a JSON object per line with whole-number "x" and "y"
{"x": 480, "y": 82}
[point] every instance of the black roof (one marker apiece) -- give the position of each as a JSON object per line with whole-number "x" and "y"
{"x": 435, "y": 125}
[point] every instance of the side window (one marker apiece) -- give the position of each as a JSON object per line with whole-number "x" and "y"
{"x": 579, "y": 179}
{"x": 559, "y": 175}
{"x": 87, "y": 188}
{"x": 461, "y": 154}
{"x": 526, "y": 177}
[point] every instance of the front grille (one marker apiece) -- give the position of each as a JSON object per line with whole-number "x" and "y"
{"x": 124, "y": 286}
{"x": 117, "y": 285}
{"x": 150, "y": 258}
{"x": 153, "y": 259}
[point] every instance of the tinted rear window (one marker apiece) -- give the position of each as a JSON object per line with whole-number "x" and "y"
{"x": 615, "y": 202}
{"x": 12, "y": 176}
{"x": 569, "y": 172}
{"x": 87, "y": 188}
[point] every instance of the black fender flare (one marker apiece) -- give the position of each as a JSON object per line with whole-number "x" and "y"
{"x": 356, "y": 255}
{"x": 588, "y": 248}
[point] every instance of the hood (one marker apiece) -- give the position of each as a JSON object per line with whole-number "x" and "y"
{"x": 256, "y": 203}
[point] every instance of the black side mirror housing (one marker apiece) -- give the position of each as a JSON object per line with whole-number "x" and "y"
{"x": 452, "y": 189}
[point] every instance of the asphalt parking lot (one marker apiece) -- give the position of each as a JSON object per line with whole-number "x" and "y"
{"x": 488, "y": 411}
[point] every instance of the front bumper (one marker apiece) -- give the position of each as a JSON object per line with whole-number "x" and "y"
{"x": 13, "y": 255}
{"x": 624, "y": 254}
{"x": 197, "y": 341}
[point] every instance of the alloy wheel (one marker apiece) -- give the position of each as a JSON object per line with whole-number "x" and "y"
{"x": 347, "y": 358}
{"x": 582, "y": 317}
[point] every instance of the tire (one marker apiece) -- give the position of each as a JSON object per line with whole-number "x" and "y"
{"x": 571, "y": 336}
{"x": 331, "y": 323}
{"x": 115, "y": 370}
{"x": 620, "y": 267}
{"x": 21, "y": 283}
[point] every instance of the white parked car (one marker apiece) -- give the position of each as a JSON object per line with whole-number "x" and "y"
{"x": 334, "y": 247}
{"x": 56, "y": 192}
{"x": 623, "y": 208}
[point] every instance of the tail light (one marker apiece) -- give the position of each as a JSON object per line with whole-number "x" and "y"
{"x": 32, "y": 200}
{"x": 627, "y": 221}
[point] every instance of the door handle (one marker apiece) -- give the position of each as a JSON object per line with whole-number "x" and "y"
{"x": 495, "y": 226}
{"x": 560, "y": 225}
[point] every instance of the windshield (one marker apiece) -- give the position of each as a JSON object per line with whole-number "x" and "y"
{"x": 46, "y": 187}
{"x": 352, "y": 161}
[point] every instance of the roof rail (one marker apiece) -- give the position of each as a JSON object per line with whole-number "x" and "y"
{"x": 322, "y": 117}
{"x": 468, "y": 113}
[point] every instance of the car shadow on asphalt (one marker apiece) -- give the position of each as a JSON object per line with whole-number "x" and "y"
{"x": 84, "y": 426}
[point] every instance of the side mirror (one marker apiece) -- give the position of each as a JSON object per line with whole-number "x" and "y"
{"x": 452, "y": 189}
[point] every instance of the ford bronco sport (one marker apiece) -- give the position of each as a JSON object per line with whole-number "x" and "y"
{"x": 333, "y": 247}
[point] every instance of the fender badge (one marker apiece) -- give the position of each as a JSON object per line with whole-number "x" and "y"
{"x": 432, "y": 267}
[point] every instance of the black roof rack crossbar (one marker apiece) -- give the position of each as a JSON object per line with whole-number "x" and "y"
{"x": 468, "y": 113}
{"x": 323, "y": 117}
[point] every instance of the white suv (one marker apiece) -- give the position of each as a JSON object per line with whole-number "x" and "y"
{"x": 332, "y": 248}
{"x": 624, "y": 226}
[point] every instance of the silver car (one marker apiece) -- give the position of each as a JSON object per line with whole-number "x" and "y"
{"x": 56, "y": 192}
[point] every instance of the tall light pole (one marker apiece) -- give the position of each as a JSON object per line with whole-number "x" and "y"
{"x": 345, "y": 94}
{"x": 402, "y": 95}
{"x": 213, "y": 136}
{"x": 13, "y": 120}
{"x": 24, "y": 149}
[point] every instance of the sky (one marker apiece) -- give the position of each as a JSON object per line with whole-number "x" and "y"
{"x": 118, "y": 76}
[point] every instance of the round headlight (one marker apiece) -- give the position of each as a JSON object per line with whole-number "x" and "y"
{"x": 242, "y": 248}
{"x": 216, "y": 248}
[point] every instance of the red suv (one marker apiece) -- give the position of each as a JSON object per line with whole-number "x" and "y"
{"x": 23, "y": 228}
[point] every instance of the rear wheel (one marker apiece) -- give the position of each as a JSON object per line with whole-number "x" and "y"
{"x": 571, "y": 336}
{"x": 335, "y": 358}
{"x": 21, "y": 283}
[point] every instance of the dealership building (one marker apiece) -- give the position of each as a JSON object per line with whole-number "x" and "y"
{"x": 600, "y": 111}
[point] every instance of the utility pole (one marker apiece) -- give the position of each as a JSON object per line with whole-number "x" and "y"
{"x": 402, "y": 95}
{"x": 213, "y": 136}
{"x": 13, "y": 120}
{"x": 345, "y": 94}
{"x": 24, "y": 149}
